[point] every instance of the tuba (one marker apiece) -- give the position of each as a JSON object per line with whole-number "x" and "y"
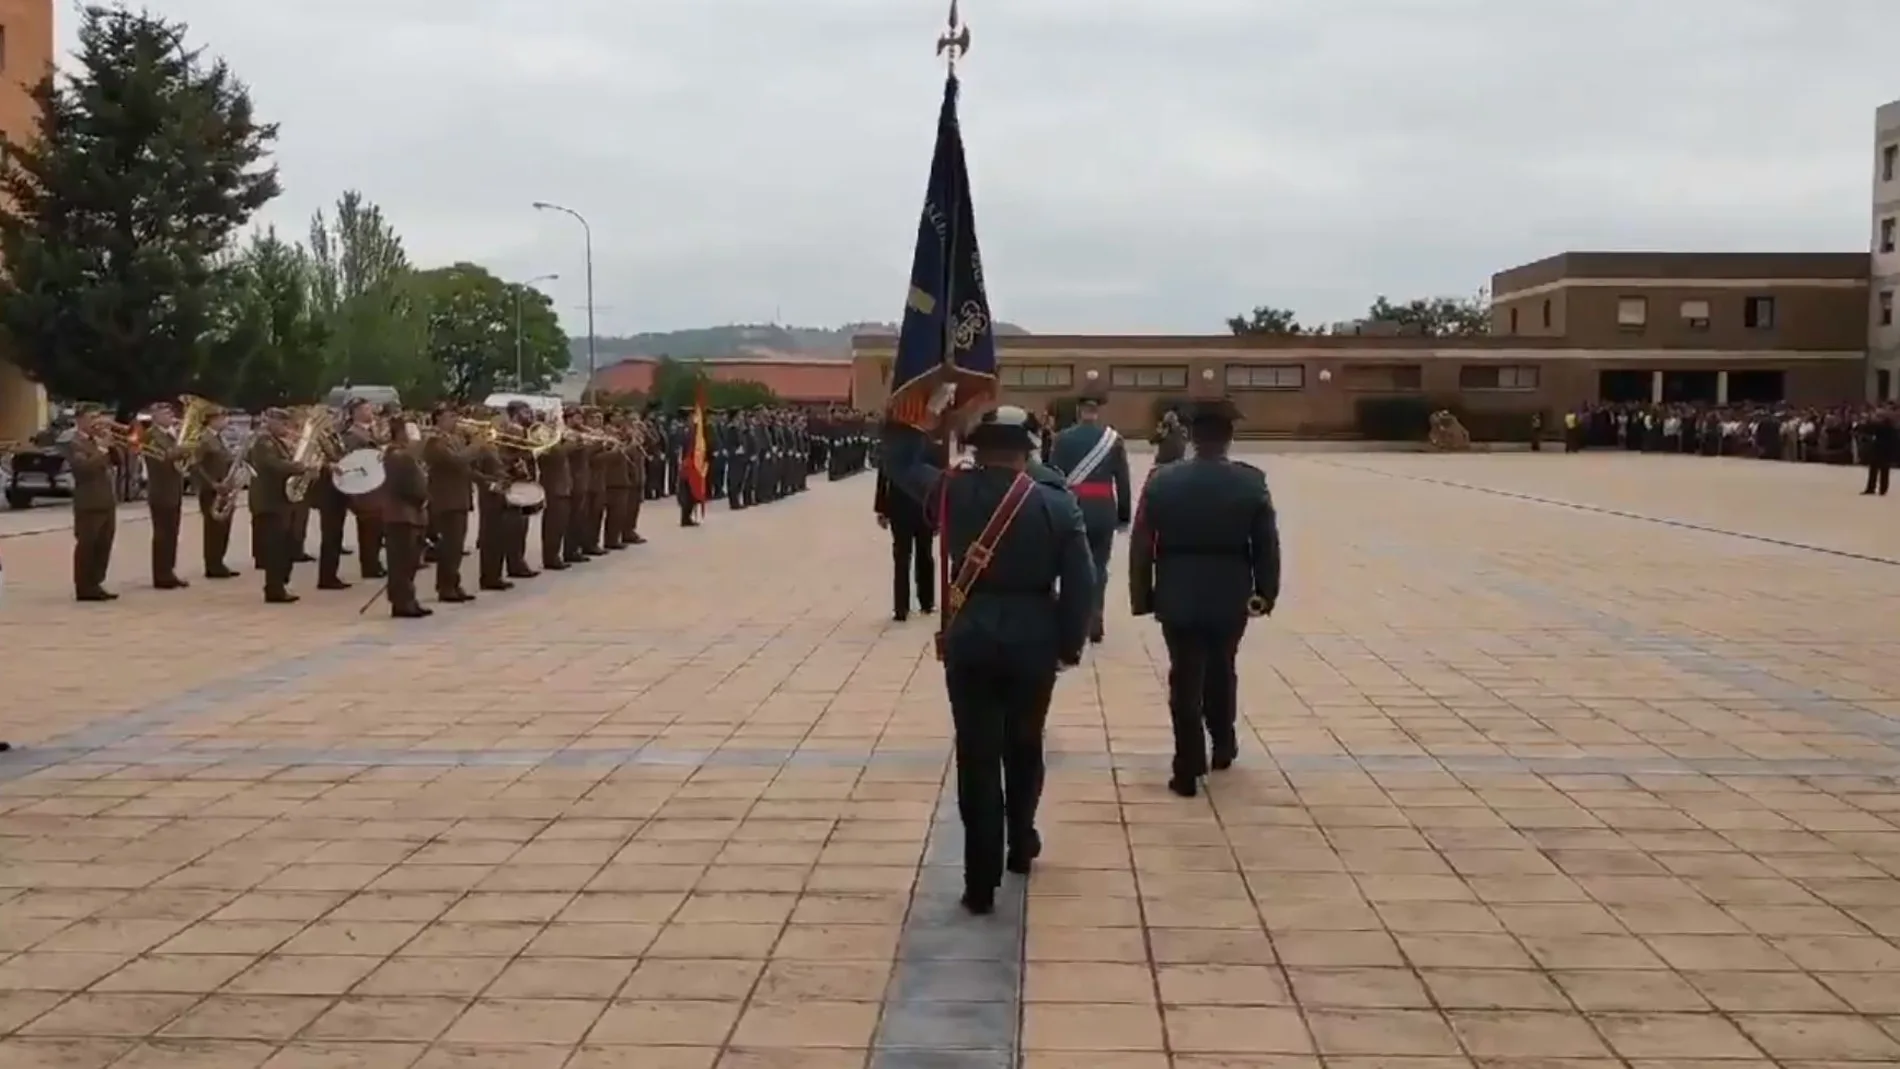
{"x": 191, "y": 429}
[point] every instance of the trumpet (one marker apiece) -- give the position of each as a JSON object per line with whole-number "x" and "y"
{"x": 534, "y": 440}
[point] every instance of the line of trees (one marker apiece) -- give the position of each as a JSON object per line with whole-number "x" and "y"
{"x": 1434, "y": 317}
{"x": 132, "y": 273}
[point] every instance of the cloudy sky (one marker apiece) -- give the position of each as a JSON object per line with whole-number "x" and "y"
{"x": 1138, "y": 165}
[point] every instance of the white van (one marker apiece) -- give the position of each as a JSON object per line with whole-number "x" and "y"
{"x": 541, "y": 404}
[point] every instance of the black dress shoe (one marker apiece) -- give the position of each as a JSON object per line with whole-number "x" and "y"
{"x": 525, "y": 573}
{"x": 1023, "y": 852}
{"x": 504, "y": 585}
{"x": 281, "y": 599}
{"x": 1224, "y": 757}
{"x": 303, "y": 558}
{"x": 372, "y": 574}
{"x": 95, "y": 595}
{"x": 332, "y": 584}
{"x": 900, "y": 616}
{"x": 455, "y": 598}
{"x": 415, "y": 612}
{"x": 171, "y": 584}
{"x": 1185, "y": 786}
{"x": 979, "y": 901}
{"x": 223, "y": 574}
{"x": 637, "y": 540}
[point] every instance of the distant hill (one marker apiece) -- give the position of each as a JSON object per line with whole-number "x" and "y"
{"x": 743, "y": 340}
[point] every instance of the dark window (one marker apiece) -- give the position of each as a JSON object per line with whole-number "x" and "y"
{"x": 1632, "y": 314}
{"x": 1886, "y": 308}
{"x": 1497, "y": 377}
{"x": 1887, "y": 161}
{"x": 1547, "y": 313}
{"x": 1758, "y": 387}
{"x": 1258, "y": 377}
{"x": 1514, "y": 321}
{"x": 1758, "y": 313}
{"x": 1886, "y": 234}
{"x": 1036, "y": 376}
{"x": 1385, "y": 378}
{"x": 1149, "y": 378}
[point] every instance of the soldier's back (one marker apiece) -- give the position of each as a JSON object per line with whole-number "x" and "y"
{"x": 1205, "y": 519}
{"x": 1015, "y": 598}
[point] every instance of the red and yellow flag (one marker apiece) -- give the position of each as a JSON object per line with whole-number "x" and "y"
{"x": 698, "y": 466}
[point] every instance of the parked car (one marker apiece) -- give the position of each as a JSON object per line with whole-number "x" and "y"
{"x": 41, "y": 470}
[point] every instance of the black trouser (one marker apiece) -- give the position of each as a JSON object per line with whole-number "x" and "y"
{"x": 553, "y": 530}
{"x": 1102, "y": 550}
{"x": 1202, "y": 689}
{"x": 166, "y": 518}
{"x": 217, "y": 535}
{"x": 277, "y": 544}
{"x": 999, "y": 701}
{"x": 1879, "y": 474}
{"x": 910, "y": 557}
{"x": 93, "y": 533}
{"x": 332, "y": 513}
{"x": 404, "y": 543}
{"x": 451, "y": 546}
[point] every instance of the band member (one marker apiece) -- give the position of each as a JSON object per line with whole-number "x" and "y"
{"x": 580, "y": 470}
{"x": 164, "y": 494}
{"x": 598, "y": 463}
{"x": 1204, "y": 558}
{"x": 557, "y": 481}
{"x": 637, "y": 474}
{"x": 271, "y": 510}
{"x": 449, "y": 458}
{"x": 95, "y": 505}
{"x": 520, "y": 468}
{"x": 364, "y": 433}
{"x": 617, "y": 483}
{"x": 491, "y": 508}
{"x": 403, "y": 502}
{"x": 214, "y": 471}
{"x": 1092, "y": 458}
{"x": 332, "y": 507}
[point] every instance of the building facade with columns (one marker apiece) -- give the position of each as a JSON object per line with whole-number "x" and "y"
{"x": 1567, "y": 330}
{"x": 26, "y": 55}
{"x": 1883, "y": 342}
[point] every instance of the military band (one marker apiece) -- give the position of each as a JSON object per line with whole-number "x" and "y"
{"x": 422, "y": 489}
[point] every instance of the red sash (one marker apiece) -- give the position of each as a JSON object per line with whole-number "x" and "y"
{"x": 977, "y": 557}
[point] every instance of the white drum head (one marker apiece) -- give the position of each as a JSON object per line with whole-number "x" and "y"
{"x": 359, "y": 472}
{"x": 525, "y": 495}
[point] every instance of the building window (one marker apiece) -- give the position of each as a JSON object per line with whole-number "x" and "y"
{"x": 1758, "y": 313}
{"x": 1514, "y": 321}
{"x": 1886, "y": 234}
{"x": 1384, "y": 378}
{"x": 1254, "y": 377}
{"x": 1497, "y": 377}
{"x": 1149, "y": 378}
{"x": 1547, "y": 313}
{"x": 1695, "y": 315}
{"x": 1036, "y": 376}
{"x": 1886, "y": 308}
{"x": 1632, "y": 313}
{"x": 1888, "y": 161}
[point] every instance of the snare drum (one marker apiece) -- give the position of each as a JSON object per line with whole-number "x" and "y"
{"x": 526, "y": 496}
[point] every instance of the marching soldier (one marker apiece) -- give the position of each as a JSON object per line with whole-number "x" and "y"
{"x": 1018, "y": 611}
{"x": 212, "y": 469}
{"x": 1094, "y": 461}
{"x": 1204, "y": 559}
{"x": 95, "y": 505}
{"x": 911, "y": 535}
{"x": 1169, "y": 439}
{"x": 557, "y": 481}
{"x": 362, "y": 433}
{"x": 165, "y": 495}
{"x": 404, "y": 500}
{"x": 271, "y": 510}
{"x": 449, "y": 461}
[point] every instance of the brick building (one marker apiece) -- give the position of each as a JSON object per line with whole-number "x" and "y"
{"x": 26, "y": 55}
{"x": 797, "y": 382}
{"x": 1565, "y": 330}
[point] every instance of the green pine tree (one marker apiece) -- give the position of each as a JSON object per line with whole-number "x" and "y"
{"x": 146, "y": 160}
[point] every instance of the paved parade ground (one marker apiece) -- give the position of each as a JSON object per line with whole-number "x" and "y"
{"x": 1555, "y": 762}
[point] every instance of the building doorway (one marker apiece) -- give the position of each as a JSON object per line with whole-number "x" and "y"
{"x": 1623, "y": 386}
{"x": 1690, "y": 387}
{"x": 1757, "y": 387}
{"x": 1883, "y": 384}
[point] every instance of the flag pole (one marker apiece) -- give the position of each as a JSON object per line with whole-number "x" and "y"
{"x": 952, "y": 44}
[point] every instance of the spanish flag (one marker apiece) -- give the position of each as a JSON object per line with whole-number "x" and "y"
{"x": 698, "y": 467}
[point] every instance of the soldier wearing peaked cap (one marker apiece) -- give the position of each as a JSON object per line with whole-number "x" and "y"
{"x": 1016, "y": 612}
{"x": 1094, "y": 462}
{"x": 1204, "y": 559}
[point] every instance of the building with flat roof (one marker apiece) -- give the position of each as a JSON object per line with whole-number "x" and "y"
{"x": 26, "y": 55}
{"x": 796, "y": 382}
{"x": 1883, "y": 333}
{"x": 1565, "y": 330}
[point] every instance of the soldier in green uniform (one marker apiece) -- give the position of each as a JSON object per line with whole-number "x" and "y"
{"x": 404, "y": 506}
{"x": 95, "y": 504}
{"x": 271, "y": 509}
{"x": 1094, "y": 462}
{"x": 1019, "y": 609}
{"x": 1204, "y": 558}
{"x": 165, "y": 459}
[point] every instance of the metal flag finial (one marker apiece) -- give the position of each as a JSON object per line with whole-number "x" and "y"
{"x": 954, "y": 42}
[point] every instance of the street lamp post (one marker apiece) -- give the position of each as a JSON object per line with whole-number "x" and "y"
{"x": 587, "y": 234}
{"x": 519, "y": 290}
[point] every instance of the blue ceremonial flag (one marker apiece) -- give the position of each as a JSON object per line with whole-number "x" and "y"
{"x": 947, "y": 336}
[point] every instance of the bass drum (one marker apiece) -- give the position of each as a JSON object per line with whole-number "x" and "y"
{"x": 526, "y": 496}
{"x": 359, "y": 472}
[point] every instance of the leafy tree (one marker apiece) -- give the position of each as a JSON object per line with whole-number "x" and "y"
{"x": 1265, "y": 319}
{"x": 267, "y": 344}
{"x": 480, "y": 326}
{"x": 677, "y": 384}
{"x": 146, "y": 158}
{"x": 1437, "y": 317}
{"x": 366, "y": 294}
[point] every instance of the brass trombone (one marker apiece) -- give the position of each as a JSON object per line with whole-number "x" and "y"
{"x": 536, "y": 440}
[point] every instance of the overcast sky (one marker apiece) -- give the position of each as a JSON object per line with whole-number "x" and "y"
{"x": 1138, "y": 165}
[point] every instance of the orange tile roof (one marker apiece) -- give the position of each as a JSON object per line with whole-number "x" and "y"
{"x": 795, "y": 381}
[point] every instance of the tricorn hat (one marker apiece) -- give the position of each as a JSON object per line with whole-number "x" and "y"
{"x": 1003, "y": 427}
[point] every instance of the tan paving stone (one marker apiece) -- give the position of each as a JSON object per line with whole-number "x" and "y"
{"x": 1525, "y": 784}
